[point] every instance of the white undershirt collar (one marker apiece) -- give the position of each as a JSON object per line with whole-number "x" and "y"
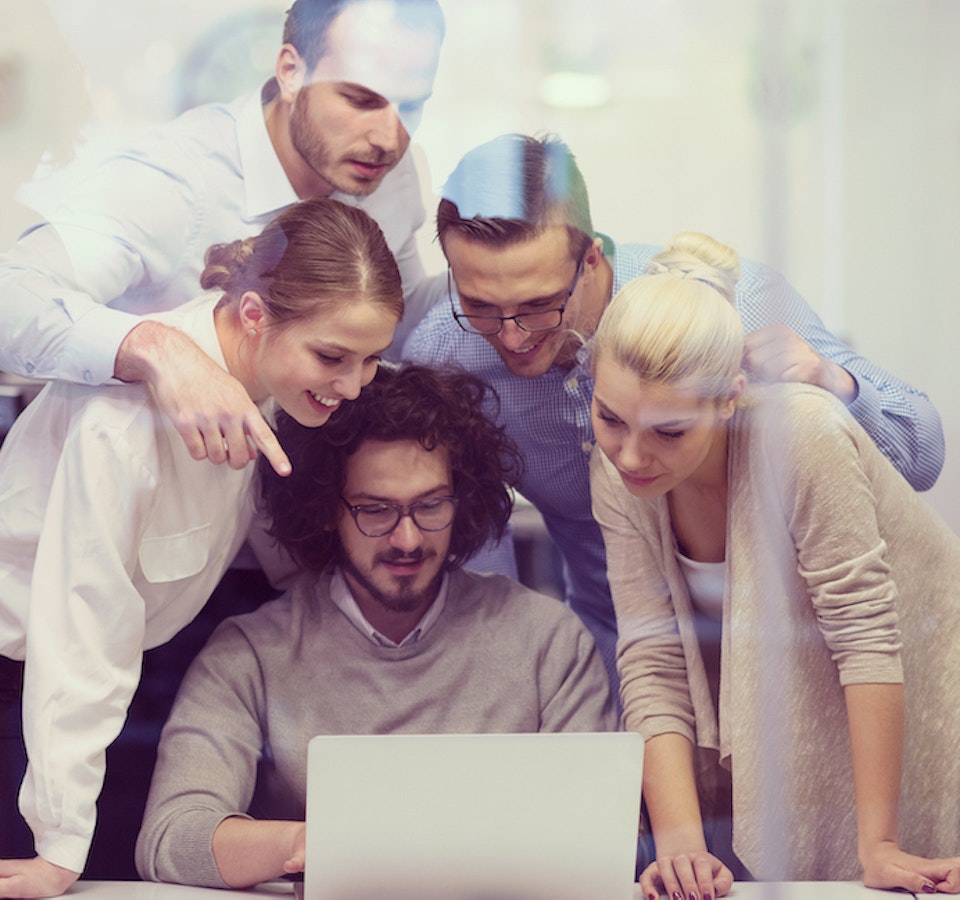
{"x": 344, "y": 600}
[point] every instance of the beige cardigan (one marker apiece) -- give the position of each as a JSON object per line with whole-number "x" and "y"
{"x": 836, "y": 573}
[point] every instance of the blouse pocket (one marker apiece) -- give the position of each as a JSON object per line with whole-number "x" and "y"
{"x": 175, "y": 556}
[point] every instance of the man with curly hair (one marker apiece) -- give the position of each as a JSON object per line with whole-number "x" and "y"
{"x": 384, "y": 632}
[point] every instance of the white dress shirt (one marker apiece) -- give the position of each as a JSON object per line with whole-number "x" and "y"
{"x": 112, "y": 538}
{"x": 130, "y": 236}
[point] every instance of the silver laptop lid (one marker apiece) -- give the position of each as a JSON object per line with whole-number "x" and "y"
{"x": 518, "y": 816}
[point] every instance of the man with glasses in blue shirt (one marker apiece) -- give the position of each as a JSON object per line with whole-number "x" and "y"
{"x": 384, "y": 633}
{"x": 529, "y": 278}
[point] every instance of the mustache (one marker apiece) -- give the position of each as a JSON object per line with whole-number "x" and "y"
{"x": 375, "y": 157}
{"x": 395, "y": 555}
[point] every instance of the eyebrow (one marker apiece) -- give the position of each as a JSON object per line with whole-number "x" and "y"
{"x": 542, "y": 299}
{"x": 443, "y": 489}
{"x": 353, "y": 86}
{"x": 333, "y": 347}
{"x": 672, "y": 423}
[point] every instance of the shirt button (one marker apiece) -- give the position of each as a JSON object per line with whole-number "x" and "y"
{"x": 572, "y": 384}
{"x": 30, "y": 367}
{"x": 88, "y": 376}
{"x": 587, "y": 446}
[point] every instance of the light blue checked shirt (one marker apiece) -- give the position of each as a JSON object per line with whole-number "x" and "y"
{"x": 549, "y": 418}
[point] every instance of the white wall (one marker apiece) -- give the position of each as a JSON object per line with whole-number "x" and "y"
{"x": 820, "y": 136}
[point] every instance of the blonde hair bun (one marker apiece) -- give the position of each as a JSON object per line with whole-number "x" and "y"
{"x": 677, "y": 323}
{"x": 692, "y": 254}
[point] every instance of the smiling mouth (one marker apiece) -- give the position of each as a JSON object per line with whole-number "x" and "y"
{"x": 329, "y": 402}
{"x": 527, "y": 350}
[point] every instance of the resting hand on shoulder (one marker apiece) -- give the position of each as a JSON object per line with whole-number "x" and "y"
{"x": 686, "y": 875}
{"x": 885, "y": 865}
{"x": 775, "y": 353}
{"x": 30, "y": 878}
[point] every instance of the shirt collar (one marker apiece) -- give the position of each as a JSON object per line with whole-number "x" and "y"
{"x": 345, "y": 602}
{"x": 266, "y": 186}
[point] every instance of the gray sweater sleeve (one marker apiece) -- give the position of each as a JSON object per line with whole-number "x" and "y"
{"x": 575, "y": 688}
{"x": 206, "y": 763}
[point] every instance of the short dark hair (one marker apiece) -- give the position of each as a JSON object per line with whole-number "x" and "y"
{"x": 308, "y": 20}
{"x": 436, "y": 407}
{"x": 513, "y": 188}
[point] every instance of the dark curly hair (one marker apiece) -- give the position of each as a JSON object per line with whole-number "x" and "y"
{"x": 437, "y": 407}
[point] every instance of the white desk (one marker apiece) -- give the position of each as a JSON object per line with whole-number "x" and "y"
{"x": 808, "y": 890}
{"x": 140, "y": 890}
{"x": 147, "y": 890}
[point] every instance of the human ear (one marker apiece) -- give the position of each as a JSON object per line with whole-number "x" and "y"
{"x": 291, "y": 72}
{"x": 594, "y": 254}
{"x": 253, "y": 312}
{"x": 728, "y": 404}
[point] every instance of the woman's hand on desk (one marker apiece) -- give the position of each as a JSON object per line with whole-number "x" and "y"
{"x": 30, "y": 878}
{"x": 686, "y": 875}
{"x": 885, "y": 865}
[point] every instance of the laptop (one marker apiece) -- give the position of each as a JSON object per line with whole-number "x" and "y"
{"x": 473, "y": 817}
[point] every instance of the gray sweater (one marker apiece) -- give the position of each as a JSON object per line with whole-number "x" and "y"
{"x": 499, "y": 659}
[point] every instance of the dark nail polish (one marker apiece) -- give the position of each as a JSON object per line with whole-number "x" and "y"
{"x": 929, "y": 888}
{"x": 676, "y": 895}
{"x": 707, "y": 897}
{"x": 694, "y": 895}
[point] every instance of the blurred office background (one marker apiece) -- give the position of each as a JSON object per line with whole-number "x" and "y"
{"x": 820, "y": 136}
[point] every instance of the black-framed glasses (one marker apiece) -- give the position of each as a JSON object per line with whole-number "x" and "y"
{"x": 541, "y": 320}
{"x": 379, "y": 519}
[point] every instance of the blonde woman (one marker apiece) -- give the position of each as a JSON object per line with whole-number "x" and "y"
{"x": 788, "y": 608}
{"x": 113, "y": 537}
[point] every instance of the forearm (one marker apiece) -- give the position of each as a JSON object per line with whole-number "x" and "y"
{"x": 55, "y": 322}
{"x": 147, "y": 349}
{"x": 903, "y": 423}
{"x": 900, "y": 419}
{"x": 248, "y": 851}
{"x": 670, "y": 792}
{"x": 84, "y": 640}
{"x": 50, "y": 332}
{"x": 875, "y": 716}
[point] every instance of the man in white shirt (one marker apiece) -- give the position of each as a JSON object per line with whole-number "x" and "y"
{"x": 350, "y": 82}
{"x": 385, "y": 632}
{"x": 351, "y": 79}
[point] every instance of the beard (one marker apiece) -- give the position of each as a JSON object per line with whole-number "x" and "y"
{"x": 404, "y": 597}
{"x": 311, "y": 145}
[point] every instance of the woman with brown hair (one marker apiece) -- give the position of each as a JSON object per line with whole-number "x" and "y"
{"x": 113, "y": 537}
